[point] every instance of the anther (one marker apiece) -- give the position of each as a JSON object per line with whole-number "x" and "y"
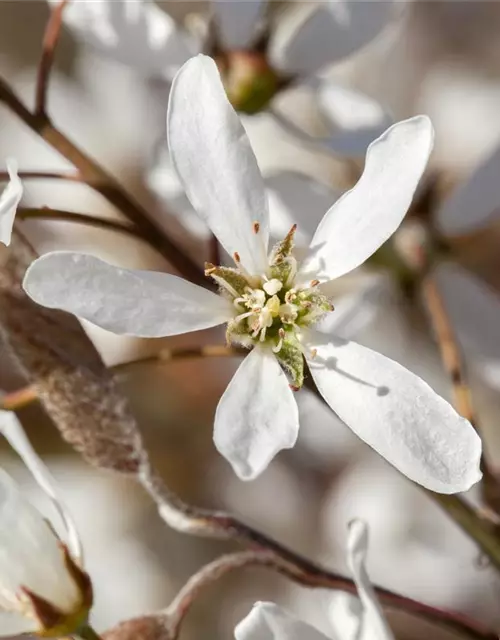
{"x": 314, "y": 353}
{"x": 209, "y": 268}
{"x": 314, "y": 283}
{"x": 256, "y": 227}
{"x": 236, "y": 257}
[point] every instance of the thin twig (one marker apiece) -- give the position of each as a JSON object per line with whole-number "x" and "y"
{"x": 43, "y": 175}
{"x": 50, "y": 40}
{"x": 180, "y": 353}
{"x": 19, "y": 399}
{"x": 104, "y": 183}
{"x": 212, "y": 572}
{"x": 453, "y": 364}
{"x": 59, "y": 215}
{"x": 269, "y": 552}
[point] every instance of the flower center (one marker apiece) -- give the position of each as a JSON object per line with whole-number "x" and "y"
{"x": 271, "y": 308}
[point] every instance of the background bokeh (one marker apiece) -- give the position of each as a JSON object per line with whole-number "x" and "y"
{"x": 443, "y": 59}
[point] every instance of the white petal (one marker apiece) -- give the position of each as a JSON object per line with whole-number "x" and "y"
{"x": 396, "y": 413}
{"x": 257, "y": 415}
{"x": 357, "y": 310}
{"x": 475, "y": 201}
{"x": 237, "y": 21}
{"x": 163, "y": 180}
{"x": 474, "y": 309}
{"x": 308, "y": 40}
{"x": 367, "y": 215}
{"x": 216, "y": 164}
{"x": 125, "y": 301}
{"x": 355, "y": 119}
{"x": 11, "y": 429}
{"x": 135, "y": 32}
{"x": 267, "y": 621}
{"x": 9, "y": 201}
{"x": 296, "y": 199}
{"x": 30, "y": 554}
{"x": 14, "y": 624}
{"x": 374, "y": 623}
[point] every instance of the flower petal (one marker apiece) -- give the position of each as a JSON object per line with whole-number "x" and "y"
{"x": 164, "y": 182}
{"x": 11, "y": 429}
{"x": 474, "y": 309}
{"x": 471, "y": 205}
{"x": 216, "y": 164}
{"x": 367, "y": 215}
{"x": 134, "y": 32}
{"x": 257, "y": 415}
{"x": 125, "y": 301}
{"x": 356, "y": 120}
{"x": 356, "y": 310}
{"x": 396, "y": 413}
{"x": 267, "y": 621}
{"x": 237, "y": 21}
{"x": 15, "y": 624}
{"x": 374, "y": 622}
{"x": 306, "y": 40}
{"x": 31, "y": 553}
{"x": 296, "y": 199}
{"x": 9, "y": 200}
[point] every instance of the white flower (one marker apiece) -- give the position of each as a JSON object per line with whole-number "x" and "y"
{"x": 301, "y": 42}
{"x": 9, "y": 201}
{"x": 43, "y": 589}
{"x": 390, "y": 408}
{"x": 364, "y": 620}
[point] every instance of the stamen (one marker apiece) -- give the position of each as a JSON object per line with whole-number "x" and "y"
{"x": 314, "y": 353}
{"x": 236, "y": 257}
{"x": 277, "y": 348}
{"x": 209, "y": 268}
{"x": 272, "y": 286}
{"x": 314, "y": 283}
{"x": 242, "y": 316}
{"x": 256, "y": 227}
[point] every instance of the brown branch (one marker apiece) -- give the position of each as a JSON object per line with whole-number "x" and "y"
{"x": 174, "y": 615}
{"x": 50, "y": 40}
{"x": 192, "y": 520}
{"x": 180, "y": 353}
{"x": 19, "y": 399}
{"x": 60, "y": 215}
{"x": 43, "y": 175}
{"x": 453, "y": 364}
{"x": 104, "y": 183}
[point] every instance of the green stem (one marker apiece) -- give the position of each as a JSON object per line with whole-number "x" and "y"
{"x": 88, "y": 633}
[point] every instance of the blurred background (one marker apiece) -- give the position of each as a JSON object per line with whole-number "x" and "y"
{"x": 438, "y": 58}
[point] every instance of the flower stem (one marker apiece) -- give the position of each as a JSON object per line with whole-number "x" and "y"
{"x": 104, "y": 183}
{"x": 88, "y": 633}
{"x": 47, "y": 213}
{"x": 19, "y": 399}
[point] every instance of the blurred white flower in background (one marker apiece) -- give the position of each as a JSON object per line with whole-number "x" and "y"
{"x": 415, "y": 549}
{"x": 43, "y": 589}
{"x": 353, "y": 618}
{"x": 9, "y": 201}
{"x": 299, "y": 41}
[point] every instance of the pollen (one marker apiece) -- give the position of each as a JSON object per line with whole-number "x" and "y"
{"x": 270, "y": 307}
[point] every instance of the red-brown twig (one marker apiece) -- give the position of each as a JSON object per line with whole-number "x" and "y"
{"x": 174, "y": 615}
{"x": 59, "y": 215}
{"x": 104, "y": 183}
{"x": 50, "y": 40}
{"x": 44, "y": 175}
{"x": 19, "y": 399}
